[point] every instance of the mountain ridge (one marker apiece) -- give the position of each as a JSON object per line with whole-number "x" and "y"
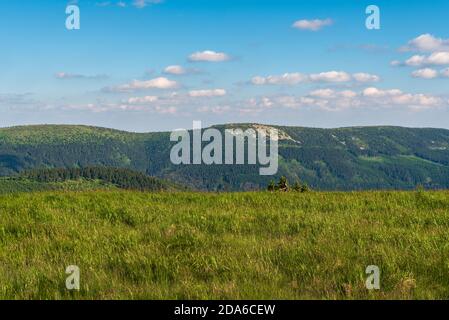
{"x": 347, "y": 158}
{"x": 44, "y": 125}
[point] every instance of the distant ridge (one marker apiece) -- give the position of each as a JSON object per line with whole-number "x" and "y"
{"x": 350, "y": 158}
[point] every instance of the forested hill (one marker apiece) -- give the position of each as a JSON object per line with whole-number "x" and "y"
{"x": 328, "y": 159}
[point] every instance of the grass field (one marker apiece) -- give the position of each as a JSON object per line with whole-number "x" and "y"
{"x": 132, "y": 245}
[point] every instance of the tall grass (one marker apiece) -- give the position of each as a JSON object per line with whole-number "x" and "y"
{"x": 132, "y": 245}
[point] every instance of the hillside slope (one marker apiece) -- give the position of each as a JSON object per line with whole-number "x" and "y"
{"x": 333, "y": 159}
{"x": 87, "y": 178}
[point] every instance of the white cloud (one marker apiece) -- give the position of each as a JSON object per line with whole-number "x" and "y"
{"x": 417, "y": 101}
{"x": 347, "y": 94}
{"x": 323, "y": 93}
{"x": 328, "y": 99}
{"x": 142, "y": 100}
{"x": 331, "y": 76}
{"x": 436, "y": 58}
{"x": 373, "y": 92}
{"x": 157, "y": 83}
{"x": 368, "y": 98}
{"x": 330, "y": 93}
{"x": 267, "y": 102}
{"x": 427, "y": 43}
{"x": 365, "y": 77}
{"x": 176, "y": 70}
{"x": 285, "y": 79}
{"x": 372, "y": 98}
{"x": 426, "y": 73}
{"x": 312, "y": 25}
{"x": 416, "y": 60}
{"x": 387, "y": 98}
{"x": 209, "y": 56}
{"x": 256, "y": 105}
{"x": 437, "y": 50}
{"x": 258, "y": 80}
{"x": 207, "y": 93}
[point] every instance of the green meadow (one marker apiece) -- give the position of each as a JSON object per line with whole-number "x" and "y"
{"x": 181, "y": 245}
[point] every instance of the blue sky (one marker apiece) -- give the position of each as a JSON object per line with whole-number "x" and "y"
{"x": 158, "y": 65}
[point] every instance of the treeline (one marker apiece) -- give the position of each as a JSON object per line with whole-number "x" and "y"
{"x": 120, "y": 177}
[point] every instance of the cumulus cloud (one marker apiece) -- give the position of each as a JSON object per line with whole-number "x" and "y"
{"x": 416, "y": 60}
{"x": 425, "y": 73}
{"x": 427, "y": 62}
{"x": 142, "y": 100}
{"x": 264, "y": 102}
{"x": 285, "y": 79}
{"x": 168, "y": 103}
{"x": 330, "y": 93}
{"x": 365, "y": 77}
{"x": 207, "y": 93}
{"x": 331, "y": 76}
{"x": 323, "y": 93}
{"x": 427, "y": 43}
{"x": 428, "y": 73}
{"x": 209, "y": 56}
{"x": 436, "y": 58}
{"x": 335, "y": 100}
{"x": 418, "y": 101}
{"x": 432, "y": 52}
{"x": 176, "y": 70}
{"x": 157, "y": 83}
{"x": 256, "y": 105}
{"x": 328, "y": 99}
{"x": 397, "y": 97}
{"x": 312, "y": 25}
{"x": 347, "y": 94}
{"x": 373, "y": 92}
